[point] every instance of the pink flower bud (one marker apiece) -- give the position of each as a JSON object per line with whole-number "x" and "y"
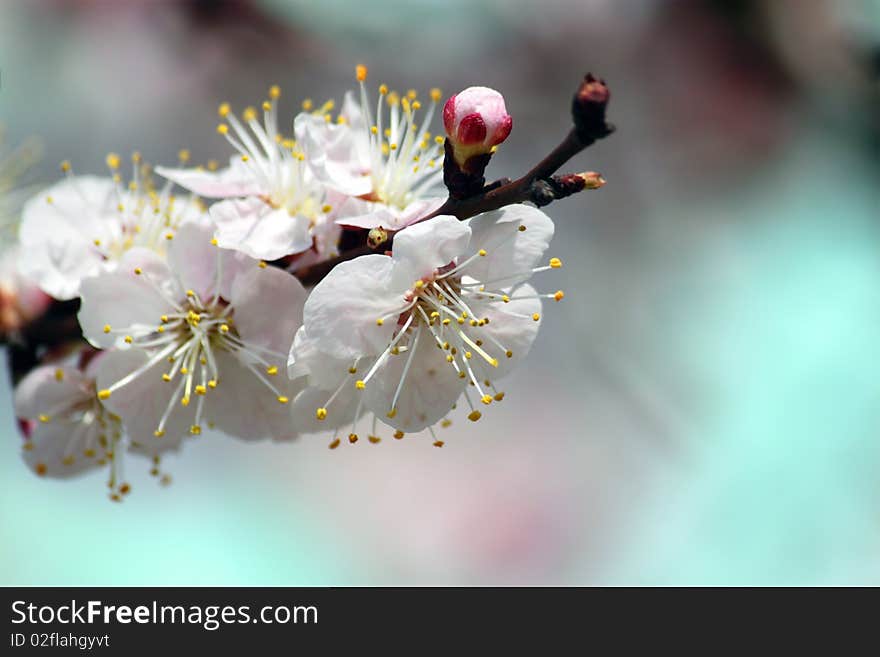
{"x": 476, "y": 119}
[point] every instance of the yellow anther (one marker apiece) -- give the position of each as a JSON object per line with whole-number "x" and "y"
{"x": 195, "y": 430}
{"x": 249, "y": 114}
{"x": 201, "y": 390}
{"x": 49, "y": 200}
{"x": 224, "y": 110}
{"x": 128, "y": 339}
{"x": 89, "y": 453}
{"x": 104, "y": 394}
{"x": 164, "y": 319}
{"x": 262, "y": 264}
{"x": 449, "y": 358}
{"x": 536, "y": 316}
{"x": 113, "y": 161}
{"x": 468, "y": 355}
{"x": 556, "y": 263}
{"x": 160, "y": 329}
{"x": 68, "y": 460}
{"x": 65, "y": 166}
{"x": 107, "y": 328}
{"x": 374, "y": 439}
{"x": 419, "y": 284}
{"x": 307, "y": 104}
{"x": 374, "y": 129}
{"x": 438, "y": 443}
{"x": 352, "y": 370}
{"x": 505, "y": 298}
{"x": 391, "y": 413}
{"x": 521, "y": 228}
{"x": 460, "y": 320}
{"x": 44, "y": 418}
{"x": 274, "y": 92}
{"x": 213, "y": 165}
{"x": 222, "y": 128}
{"x": 446, "y": 423}
{"x": 360, "y": 72}
{"x": 559, "y": 295}
{"x": 383, "y": 89}
{"x": 499, "y": 396}
{"x": 321, "y": 413}
{"x": 244, "y": 158}
{"x": 473, "y": 416}
{"x": 282, "y": 399}
{"x": 190, "y": 293}
{"x": 446, "y": 321}
{"x": 214, "y": 241}
{"x": 212, "y": 384}
{"x": 136, "y": 157}
{"x": 272, "y": 370}
{"x": 166, "y": 377}
{"x": 59, "y": 374}
{"x": 474, "y": 322}
{"x": 267, "y": 106}
{"x": 508, "y": 353}
{"x": 380, "y": 321}
{"x": 224, "y": 328}
{"x": 169, "y": 236}
{"x": 183, "y": 155}
{"x": 482, "y": 252}
{"x": 184, "y": 401}
{"x": 486, "y": 399}
{"x": 436, "y": 95}
{"x": 398, "y": 434}
{"x": 352, "y": 438}
{"x": 360, "y": 385}
{"x": 439, "y": 140}
{"x": 334, "y": 444}
{"x": 326, "y": 208}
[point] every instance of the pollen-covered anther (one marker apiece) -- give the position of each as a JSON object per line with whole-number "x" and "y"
{"x": 439, "y": 443}
{"x": 473, "y": 416}
{"x": 282, "y": 399}
{"x": 195, "y": 430}
{"x": 334, "y": 444}
{"x": 390, "y": 414}
{"x": 321, "y": 413}
{"x": 359, "y": 384}
{"x": 486, "y": 399}
{"x": 398, "y": 434}
{"x": 555, "y": 263}
{"x": 104, "y": 394}
{"x": 44, "y": 418}
{"x": 499, "y": 396}
{"x": 107, "y": 328}
{"x": 352, "y": 438}
{"x": 201, "y": 390}
{"x": 536, "y": 317}
{"x": 559, "y": 295}
{"x": 159, "y": 433}
{"x": 272, "y": 370}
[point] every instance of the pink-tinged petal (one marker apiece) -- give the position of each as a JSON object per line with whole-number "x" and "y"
{"x": 49, "y": 387}
{"x": 58, "y": 232}
{"x": 510, "y": 252}
{"x": 124, "y": 298}
{"x": 268, "y": 306}
{"x": 431, "y": 387}
{"x": 423, "y": 247}
{"x": 333, "y": 154}
{"x": 374, "y": 215}
{"x": 259, "y": 230}
{"x": 236, "y": 180}
{"x": 200, "y": 265}
{"x": 340, "y": 413}
{"x": 57, "y": 449}
{"x": 244, "y": 407}
{"x": 343, "y": 309}
{"x": 512, "y": 325}
{"x": 142, "y": 402}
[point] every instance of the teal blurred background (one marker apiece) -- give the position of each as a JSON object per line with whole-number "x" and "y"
{"x": 704, "y": 406}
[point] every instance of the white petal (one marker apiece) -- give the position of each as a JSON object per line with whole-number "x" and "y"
{"x": 426, "y": 246}
{"x": 268, "y": 306}
{"x": 243, "y": 407}
{"x": 235, "y": 180}
{"x": 516, "y": 334}
{"x": 510, "y": 252}
{"x": 342, "y": 310}
{"x": 260, "y": 231}
{"x": 431, "y": 387}
{"x": 333, "y": 155}
{"x": 57, "y": 238}
{"x": 375, "y": 215}
{"x": 123, "y": 299}
{"x": 56, "y": 449}
{"x": 196, "y": 261}
{"x": 142, "y": 402}
{"x": 41, "y": 391}
{"x": 340, "y": 413}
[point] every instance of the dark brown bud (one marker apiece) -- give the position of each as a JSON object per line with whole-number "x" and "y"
{"x": 588, "y": 109}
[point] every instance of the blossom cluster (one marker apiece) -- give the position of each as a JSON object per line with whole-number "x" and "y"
{"x": 190, "y": 301}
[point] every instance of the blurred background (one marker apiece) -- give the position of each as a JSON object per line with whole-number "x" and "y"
{"x": 703, "y": 408}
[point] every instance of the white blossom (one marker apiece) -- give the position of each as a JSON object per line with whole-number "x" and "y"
{"x": 200, "y": 339}
{"x": 445, "y": 316}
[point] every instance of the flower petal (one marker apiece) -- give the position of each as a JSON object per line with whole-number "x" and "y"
{"x": 268, "y": 305}
{"x": 123, "y": 299}
{"x": 48, "y": 387}
{"x": 260, "y": 231}
{"x": 429, "y": 391}
{"x": 197, "y": 262}
{"x": 235, "y": 180}
{"x": 244, "y": 407}
{"x": 511, "y": 253}
{"x": 512, "y": 325}
{"x": 343, "y": 309}
{"x": 423, "y": 247}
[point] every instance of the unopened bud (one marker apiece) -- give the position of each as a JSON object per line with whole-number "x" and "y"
{"x": 588, "y": 108}
{"x": 592, "y": 180}
{"x": 476, "y": 120}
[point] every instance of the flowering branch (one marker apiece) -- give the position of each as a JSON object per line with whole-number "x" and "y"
{"x": 539, "y": 186}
